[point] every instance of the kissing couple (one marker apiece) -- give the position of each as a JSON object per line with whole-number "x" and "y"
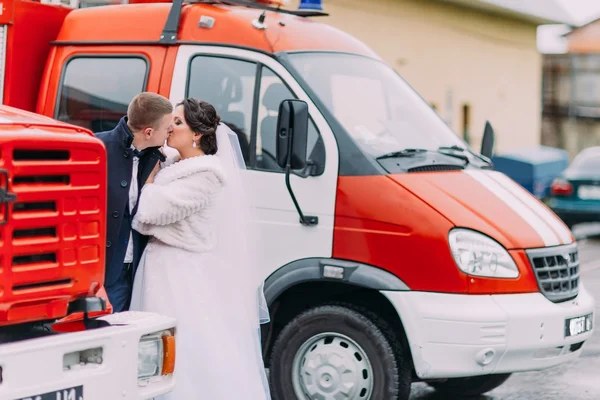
{"x": 179, "y": 243}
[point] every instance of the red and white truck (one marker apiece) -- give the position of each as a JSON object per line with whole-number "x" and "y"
{"x": 392, "y": 252}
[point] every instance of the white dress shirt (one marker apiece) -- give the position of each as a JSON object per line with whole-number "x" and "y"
{"x": 133, "y": 192}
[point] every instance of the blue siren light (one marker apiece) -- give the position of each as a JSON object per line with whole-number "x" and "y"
{"x": 311, "y": 5}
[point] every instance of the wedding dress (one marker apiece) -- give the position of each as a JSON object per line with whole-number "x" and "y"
{"x": 200, "y": 268}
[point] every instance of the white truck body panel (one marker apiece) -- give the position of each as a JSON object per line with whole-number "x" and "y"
{"x": 35, "y": 366}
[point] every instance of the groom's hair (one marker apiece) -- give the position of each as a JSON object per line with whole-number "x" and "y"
{"x": 147, "y": 109}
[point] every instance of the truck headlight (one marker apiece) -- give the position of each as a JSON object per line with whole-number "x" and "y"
{"x": 479, "y": 255}
{"x": 156, "y": 355}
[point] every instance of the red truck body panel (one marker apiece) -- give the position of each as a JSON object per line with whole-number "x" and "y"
{"x": 52, "y": 234}
{"x": 31, "y": 27}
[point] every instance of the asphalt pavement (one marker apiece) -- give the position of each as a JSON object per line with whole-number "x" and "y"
{"x": 576, "y": 380}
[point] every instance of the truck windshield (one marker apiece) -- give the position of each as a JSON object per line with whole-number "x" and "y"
{"x": 373, "y": 103}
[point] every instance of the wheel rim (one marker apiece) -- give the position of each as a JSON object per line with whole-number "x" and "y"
{"x": 331, "y": 366}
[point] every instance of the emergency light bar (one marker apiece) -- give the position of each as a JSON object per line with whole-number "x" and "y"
{"x": 169, "y": 34}
{"x": 307, "y": 8}
{"x": 311, "y": 5}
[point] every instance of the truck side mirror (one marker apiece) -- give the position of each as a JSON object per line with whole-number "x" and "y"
{"x": 292, "y": 137}
{"x": 292, "y": 134}
{"x": 487, "y": 144}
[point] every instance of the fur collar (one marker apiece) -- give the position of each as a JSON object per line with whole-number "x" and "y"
{"x": 177, "y": 169}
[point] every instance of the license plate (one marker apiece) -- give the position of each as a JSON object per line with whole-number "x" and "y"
{"x": 578, "y": 325}
{"x": 589, "y": 192}
{"x": 74, "y": 393}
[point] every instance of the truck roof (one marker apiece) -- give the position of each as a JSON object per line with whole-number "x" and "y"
{"x": 14, "y": 116}
{"x": 143, "y": 23}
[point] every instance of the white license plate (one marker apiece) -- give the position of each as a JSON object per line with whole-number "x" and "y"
{"x": 578, "y": 325}
{"x": 74, "y": 393}
{"x": 589, "y": 192}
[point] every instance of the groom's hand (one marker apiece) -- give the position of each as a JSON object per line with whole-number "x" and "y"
{"x": 153, "y": 173}
{"x": 162, "y": 155}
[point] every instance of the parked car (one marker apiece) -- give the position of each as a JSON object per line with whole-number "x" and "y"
{"x": 575, "y": 195}
{"x": 534, "y": 168}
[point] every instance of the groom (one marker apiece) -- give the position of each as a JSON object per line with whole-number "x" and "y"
{"x": 133, "y": 150}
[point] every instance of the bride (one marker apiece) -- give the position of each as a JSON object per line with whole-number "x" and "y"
{"x": 200, "y": 266}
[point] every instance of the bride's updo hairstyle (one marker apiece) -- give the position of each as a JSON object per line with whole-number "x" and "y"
{"x": 202, "y": 118}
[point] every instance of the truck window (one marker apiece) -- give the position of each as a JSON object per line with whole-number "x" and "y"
{"x": 95, "y": 91}
{"x": 272, "y": 92}
{"x": 228, "y": 84}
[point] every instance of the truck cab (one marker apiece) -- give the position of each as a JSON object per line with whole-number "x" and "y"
{"x": 392, "y": 252}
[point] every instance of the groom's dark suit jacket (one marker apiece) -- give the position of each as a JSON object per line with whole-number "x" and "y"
{"x": 118, "y": 218}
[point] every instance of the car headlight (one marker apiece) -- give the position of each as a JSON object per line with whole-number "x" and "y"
{"x": 156, "y": 355}
{"x": 479, "y": 255}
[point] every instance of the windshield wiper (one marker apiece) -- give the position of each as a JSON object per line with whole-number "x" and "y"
{"x": 402, "y": 153}
{"x": 442, "y": 149}
{"x": 454, "y": 147}
{"x": 462, "y": 149}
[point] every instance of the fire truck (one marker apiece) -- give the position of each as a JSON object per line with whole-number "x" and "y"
{"x": 392, "y": 252}
{"x": 58, "y": 338}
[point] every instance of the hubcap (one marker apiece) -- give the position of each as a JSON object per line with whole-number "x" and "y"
{"x": 331, "y": 366}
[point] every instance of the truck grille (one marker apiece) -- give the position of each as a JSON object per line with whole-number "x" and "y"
{"x": 557, "y": 271}
{"x": 54, "y": 230}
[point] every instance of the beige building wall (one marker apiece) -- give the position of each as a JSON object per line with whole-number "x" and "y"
{"x": 455, "y": 56}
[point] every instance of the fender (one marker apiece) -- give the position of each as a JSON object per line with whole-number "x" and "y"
{"x": 330, "y": 270}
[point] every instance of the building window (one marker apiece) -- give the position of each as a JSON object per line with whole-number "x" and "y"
{"x": 96, "y": 91}
{"x": 586, "y": 80}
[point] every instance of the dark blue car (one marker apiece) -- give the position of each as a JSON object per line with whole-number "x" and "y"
{"x": 575, "y": 195}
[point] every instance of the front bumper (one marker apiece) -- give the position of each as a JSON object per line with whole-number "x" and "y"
{"x": 453, "y": 336}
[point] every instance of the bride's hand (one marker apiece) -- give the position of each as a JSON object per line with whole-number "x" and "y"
{"x": 153, "y": 173}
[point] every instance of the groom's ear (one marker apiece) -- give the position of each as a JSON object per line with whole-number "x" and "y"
{"x": 148, "y": 133}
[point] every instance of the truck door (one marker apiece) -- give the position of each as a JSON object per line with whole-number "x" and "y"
{"x": 246, "y": 88}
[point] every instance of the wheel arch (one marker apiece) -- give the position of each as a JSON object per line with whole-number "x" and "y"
{"x": 310, "y": 282}
{"x": 329, "y": 270}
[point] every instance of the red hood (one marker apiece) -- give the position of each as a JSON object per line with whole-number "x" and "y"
{"x": 489, "y": 202}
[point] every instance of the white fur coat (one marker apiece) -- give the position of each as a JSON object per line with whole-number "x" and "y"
{"x": 179, "y": 207}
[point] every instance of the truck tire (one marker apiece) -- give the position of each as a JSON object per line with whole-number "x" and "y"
{"x": 338, "y": 351}
{"x": 472, "y": 386}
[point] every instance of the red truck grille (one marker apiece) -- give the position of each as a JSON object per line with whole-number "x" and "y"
{"x": 52, "y": 235}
